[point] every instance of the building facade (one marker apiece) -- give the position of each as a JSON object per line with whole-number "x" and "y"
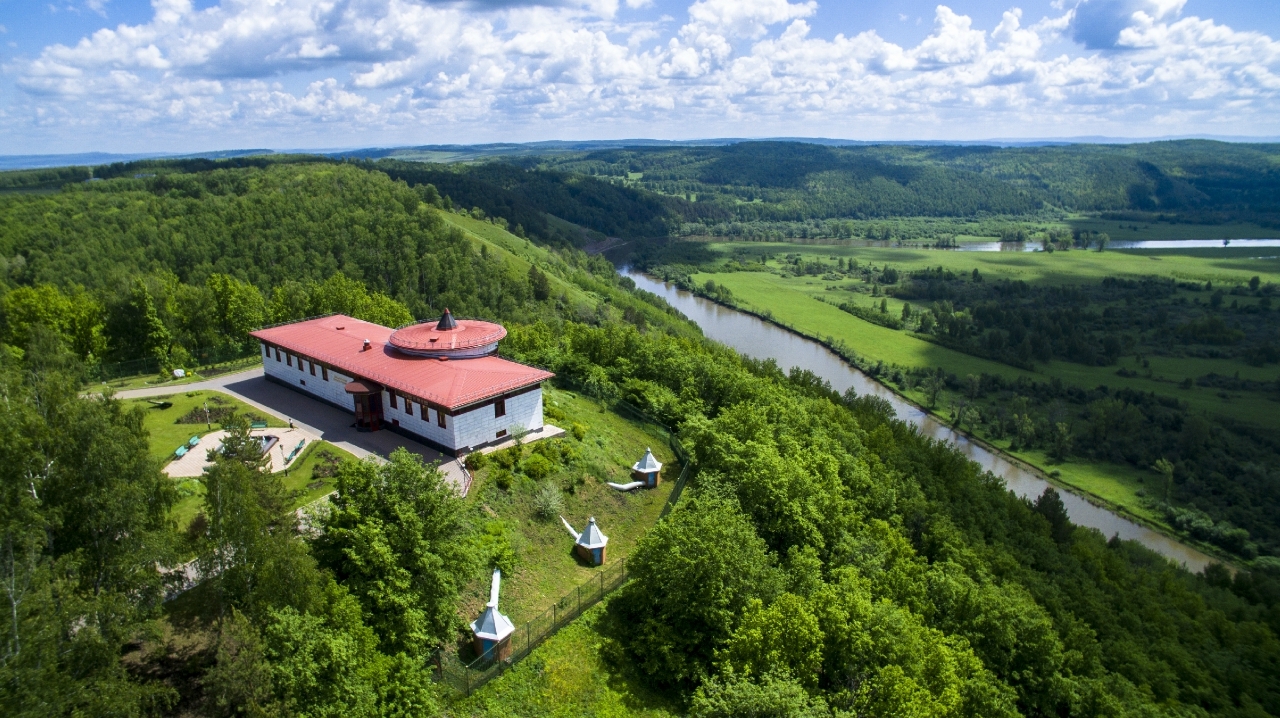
{"x": 439, "y": 382}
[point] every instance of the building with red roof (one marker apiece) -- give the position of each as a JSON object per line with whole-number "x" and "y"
{"x": 439, "y": 381}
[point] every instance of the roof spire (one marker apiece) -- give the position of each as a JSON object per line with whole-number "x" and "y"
{"x": 446, "y": 322}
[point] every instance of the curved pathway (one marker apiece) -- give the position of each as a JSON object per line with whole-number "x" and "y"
{"x": 311, "y": 416}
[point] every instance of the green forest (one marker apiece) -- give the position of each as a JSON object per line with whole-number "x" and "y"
{"x": 826, "y": 559}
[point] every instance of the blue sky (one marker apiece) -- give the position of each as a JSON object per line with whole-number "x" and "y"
{"x": 189, "y": 75}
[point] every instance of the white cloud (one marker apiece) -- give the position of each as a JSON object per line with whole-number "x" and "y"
{"x": 745, "y": 18}
{"x": 340, "y": 69}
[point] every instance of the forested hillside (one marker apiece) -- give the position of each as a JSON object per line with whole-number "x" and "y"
{"x": 827, "y": 560}
{"x": 777, "y": 181}
{"x": 178, "y": 265}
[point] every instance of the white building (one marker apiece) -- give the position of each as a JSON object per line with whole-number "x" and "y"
{"x": 439, "y": 382}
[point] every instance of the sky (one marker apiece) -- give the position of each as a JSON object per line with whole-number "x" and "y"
{"x": 203, "y": 75}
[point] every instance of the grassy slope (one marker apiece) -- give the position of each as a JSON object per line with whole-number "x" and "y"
{"x": 520, "y": 252}
{"x": 568, "y": 676}
{"x": 547, "y": 567}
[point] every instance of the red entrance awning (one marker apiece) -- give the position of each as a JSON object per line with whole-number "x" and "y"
{"x": 363, "y": 386}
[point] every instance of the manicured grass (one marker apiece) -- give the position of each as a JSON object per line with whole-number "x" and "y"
{"x": 567, "y": 676}
{"x": 301, "y": 478}
{"x": 167, "y": 435}
{"x": 546, "y": 567}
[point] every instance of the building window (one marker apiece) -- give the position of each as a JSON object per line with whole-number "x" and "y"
{"x": 499, "y": 408}
{"x": 303, "y": 382}
{"x": 392, "y": 394}
{"x": 324, "y": 370}
{"x": 277, "y": 353}
{"x": 313, "y": 368}
{"x": 288, "y": 358}
{"x": 500, "y": 434}
{"x": 408, "y": 407}
{"x": 266, "y": 351}
{"x": 440, "y": 419}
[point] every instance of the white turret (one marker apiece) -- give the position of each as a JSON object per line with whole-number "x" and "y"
{"x": 492, "y": 628}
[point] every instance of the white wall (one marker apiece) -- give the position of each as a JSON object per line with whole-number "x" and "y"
{"x": 419, "y": 423}
{"x": 334, "y": 390}
{"x": 479, "y": 426}
{"x": 472, "y": 428}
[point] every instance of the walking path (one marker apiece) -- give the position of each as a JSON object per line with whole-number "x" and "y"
{"x": 312, "y": 417}
{"x": 195, "y": 461}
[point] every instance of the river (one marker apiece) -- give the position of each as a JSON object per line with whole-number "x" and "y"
{"x": 761, "y": 340}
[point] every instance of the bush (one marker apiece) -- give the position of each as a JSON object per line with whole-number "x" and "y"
{"x": 502, "y": 477}
{"x": 579, "y": 431}
{"x": 507, "y": 458}
{"x": 476, "y": 461}
{"x": 537, "y": 467}
{"x": 548, "y": 502}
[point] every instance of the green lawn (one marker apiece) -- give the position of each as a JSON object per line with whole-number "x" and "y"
{"x": 569, "y": 676}
{"x": 546, "y": 567}
{"x": 166, "y": 435}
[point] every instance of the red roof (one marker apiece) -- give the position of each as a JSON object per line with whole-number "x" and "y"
{"x": 339, "y": 342}
{"x": 467, "y": 334}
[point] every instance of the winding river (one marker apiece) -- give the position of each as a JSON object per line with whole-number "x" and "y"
{"x": 761, "y": 340}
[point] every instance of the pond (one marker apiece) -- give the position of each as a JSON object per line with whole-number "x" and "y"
{"x": 759, "y": 339}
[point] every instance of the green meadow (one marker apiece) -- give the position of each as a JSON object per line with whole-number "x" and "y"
{"x": 545, "y": 566}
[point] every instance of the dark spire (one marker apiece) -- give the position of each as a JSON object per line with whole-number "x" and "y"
{"x": 446, "y": 322}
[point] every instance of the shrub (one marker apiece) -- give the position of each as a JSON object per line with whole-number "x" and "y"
{"x": 507, "y": 458}
{"x": 537, "y": 467}
{"x": 579, "y": 431}
{"x": 548, "y": 502}
{"x": 476, "y": 461}
{"x": 502, "y": 477}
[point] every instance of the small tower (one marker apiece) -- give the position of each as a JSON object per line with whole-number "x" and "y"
{"x": 492, "y": 629}
{"x": 590, "y": 544}
{"x": 647, "y": 469}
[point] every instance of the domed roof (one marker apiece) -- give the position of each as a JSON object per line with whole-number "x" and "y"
{"x": 448, "y": 337}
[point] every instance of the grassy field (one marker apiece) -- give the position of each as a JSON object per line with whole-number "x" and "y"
{"x": 546, "y": 567}
{"x": 1058, "y": 267}
{"x": 569, "y": 676}
{"x": 798, "y": 303}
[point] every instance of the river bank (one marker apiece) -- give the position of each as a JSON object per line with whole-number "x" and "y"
{"x": 762, "y": 337}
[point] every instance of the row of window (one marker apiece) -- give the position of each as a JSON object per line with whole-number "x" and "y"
{"x": 499, "y": 405}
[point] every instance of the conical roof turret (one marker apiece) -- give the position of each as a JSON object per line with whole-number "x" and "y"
{"x": 492, "y": 625}
{"x": 446, "y": 322}
{"x": 591, "y": 536}
{"x": 647, "y": 463}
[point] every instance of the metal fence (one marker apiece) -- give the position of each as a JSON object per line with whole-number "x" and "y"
{"x": 204, "y": 363}
{"x": 467, "y": 677}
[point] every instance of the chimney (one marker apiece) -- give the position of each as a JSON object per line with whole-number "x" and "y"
{"x": 367, "y": 345}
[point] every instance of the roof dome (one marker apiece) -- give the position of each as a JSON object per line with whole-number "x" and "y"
{"x": 449, "y": 337}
